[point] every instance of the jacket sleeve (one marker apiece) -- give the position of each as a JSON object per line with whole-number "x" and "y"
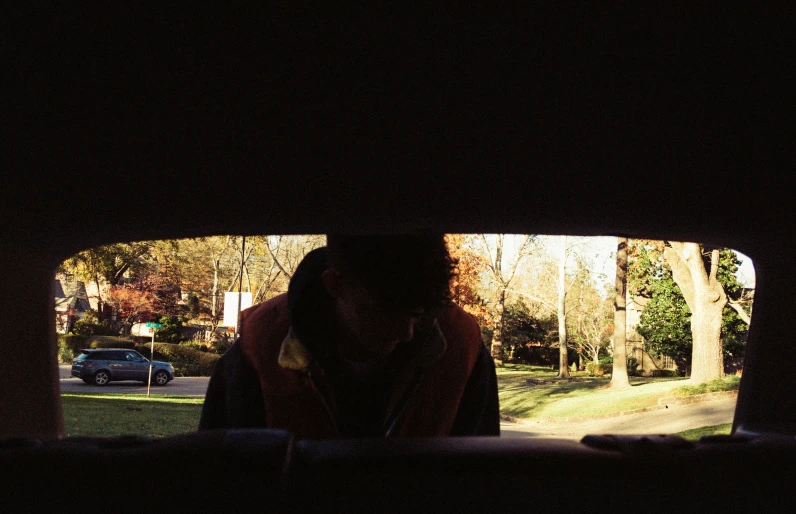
{"x": 479, "y": 409}
{"x": 233, "y": 398}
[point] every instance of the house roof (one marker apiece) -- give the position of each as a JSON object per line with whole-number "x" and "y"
{"x": 71, "y": 295}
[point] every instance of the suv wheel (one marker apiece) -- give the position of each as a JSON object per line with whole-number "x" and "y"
{"x": 101, "y": 378}
{"x": 161, "y": 378}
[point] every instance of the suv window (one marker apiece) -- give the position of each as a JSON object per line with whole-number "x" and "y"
{"x": 133, "y": 356}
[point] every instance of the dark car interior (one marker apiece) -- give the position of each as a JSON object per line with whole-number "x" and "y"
{"x": 131, "y": 122}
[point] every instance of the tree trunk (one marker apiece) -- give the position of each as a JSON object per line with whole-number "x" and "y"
{"x": 497, "y": 334}
{"x": 705, "y": 297}
{"x": 563, "y": 368}
{"x": 619, "y": 378}
{"x": 707, "y": 361}
{"x": 214, "y": 311}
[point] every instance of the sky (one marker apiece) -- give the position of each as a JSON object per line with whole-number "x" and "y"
{"x": 602, "y": 249}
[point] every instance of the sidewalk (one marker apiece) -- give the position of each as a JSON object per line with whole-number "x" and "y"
{"x": 663, "y": 403}
{"x": 669, "y": 418}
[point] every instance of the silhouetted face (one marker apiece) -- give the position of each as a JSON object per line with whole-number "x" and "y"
{"x": 372, "y": 330}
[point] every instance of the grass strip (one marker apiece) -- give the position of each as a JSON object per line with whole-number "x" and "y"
{"x": 107, "y": 415}
{"x": 696, "y": 433}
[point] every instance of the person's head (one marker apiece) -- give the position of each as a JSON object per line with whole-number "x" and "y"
{"x": 384, "y": 285}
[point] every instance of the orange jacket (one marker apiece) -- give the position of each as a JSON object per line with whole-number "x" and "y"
{"x": 425, "y": 399}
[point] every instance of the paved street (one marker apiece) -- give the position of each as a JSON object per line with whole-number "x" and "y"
{"x": 193, "y": 387}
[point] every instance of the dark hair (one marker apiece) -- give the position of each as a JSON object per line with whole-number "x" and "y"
{"x": 404, "y": 272}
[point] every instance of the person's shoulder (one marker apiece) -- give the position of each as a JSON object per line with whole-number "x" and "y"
{"x": 269, "y": 316}
{"x": 453, "y": 319}
{"x": 270, "y": 310}
{"x": 263, "y": 326}
{"x": 455, "y": 312}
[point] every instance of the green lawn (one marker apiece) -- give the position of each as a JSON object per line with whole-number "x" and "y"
{"x": 107, "y": 415}
{"x": 695, "y": 433}
{"x": 588, "y": 397}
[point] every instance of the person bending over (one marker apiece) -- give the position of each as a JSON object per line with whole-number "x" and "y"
{"x": 365, "y": 343}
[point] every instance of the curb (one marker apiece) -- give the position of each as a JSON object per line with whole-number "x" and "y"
{"x": 663, "y": 403}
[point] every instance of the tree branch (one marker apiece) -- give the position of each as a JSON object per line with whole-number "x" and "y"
{"x": 520, "y": 255}
{"x": 276, "y": 261}
{"x": 714, "y": 265}
{"x": 741, "y": 313}
{"x": 489, "y": 261}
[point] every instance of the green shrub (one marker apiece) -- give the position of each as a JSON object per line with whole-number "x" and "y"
{"x": 219, "y": 347}
{"x": 90, "y": 325}
{"x": 109, "y": 342}
{"x": 196, "y": 345}
{"x": 69, "y": 345}
{"x": 187, "y": 362}
{"x": 632, "y": 367}
{"x": 600, "y": 369}
{"x": 171, "y": 329}
{"x": 65, "y": 355}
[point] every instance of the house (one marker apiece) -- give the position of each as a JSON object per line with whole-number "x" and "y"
{"x": 71, "y": 304}
{"x": 635, "y": 342}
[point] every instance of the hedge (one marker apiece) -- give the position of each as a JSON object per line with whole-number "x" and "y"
{"x": 187, "y": 362}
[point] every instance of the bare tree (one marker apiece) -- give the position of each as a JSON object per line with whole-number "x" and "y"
{"x": 559, "y": 282}
{"x": 563, "y": 360}
{"x": 501, "y": 277}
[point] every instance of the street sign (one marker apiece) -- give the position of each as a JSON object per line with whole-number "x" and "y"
{"x": 151, "y": 324}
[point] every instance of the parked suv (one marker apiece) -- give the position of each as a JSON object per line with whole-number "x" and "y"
{"x": 101, "y": 366}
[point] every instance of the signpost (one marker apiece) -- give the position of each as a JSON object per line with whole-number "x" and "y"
{"x": 153, "y": 326}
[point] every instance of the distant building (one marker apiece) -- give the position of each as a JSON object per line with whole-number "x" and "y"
{"x": 635, "y": 343}
{"x": 71, "y": 304}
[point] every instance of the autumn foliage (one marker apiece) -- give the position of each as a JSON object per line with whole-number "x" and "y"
{"x": 464, "y": 286}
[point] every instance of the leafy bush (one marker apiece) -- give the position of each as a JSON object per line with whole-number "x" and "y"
{"x": 668, "y": 373}
{"x": 69, "y": 345}
{"x": 187, "y": 362}
{"x": 219, "y": 346}
{"x": 196, "y": 345}
{"x": 90, "y": 325}
{"x": 109, "y": 342}
{"x": 632, "y": 367}
{"x": 65, "y": 355}
{"x": 599, "y": 369}
{"x": 171, "y": 330}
